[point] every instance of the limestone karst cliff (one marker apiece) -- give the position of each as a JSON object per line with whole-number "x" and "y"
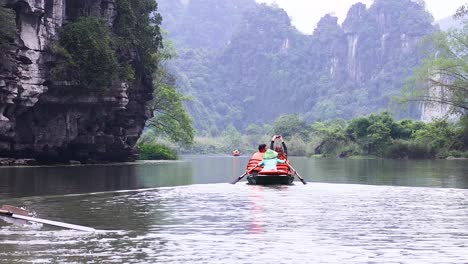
{"x": 54, "y": 121}
{"x": 266, "y": 68}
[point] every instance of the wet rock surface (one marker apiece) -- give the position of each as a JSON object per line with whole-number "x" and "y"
{"x": 52, "y": 122}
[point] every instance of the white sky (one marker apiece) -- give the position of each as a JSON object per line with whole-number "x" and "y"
{"x": 306, "y": 13}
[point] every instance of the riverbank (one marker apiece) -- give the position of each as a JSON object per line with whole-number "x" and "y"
{"x": 10, "y": 162}
{"x": 377, "y": 157}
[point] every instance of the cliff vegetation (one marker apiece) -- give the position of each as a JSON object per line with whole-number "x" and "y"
{"x": 7, "y": 27}
{"x": 261, "y": 67}
{"x": 78, "y": 81}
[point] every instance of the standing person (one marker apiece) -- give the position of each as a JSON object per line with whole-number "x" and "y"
{"x": 270, "y": 160}
{"x": 282, "y": 150}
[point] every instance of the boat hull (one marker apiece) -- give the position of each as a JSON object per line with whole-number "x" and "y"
{"x": 256, "y": 179}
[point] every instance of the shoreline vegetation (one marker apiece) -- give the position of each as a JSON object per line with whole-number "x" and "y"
{"x": 373, "y": 136}
{"x": 376, "y": 136}
{"x": 20, "y": 164}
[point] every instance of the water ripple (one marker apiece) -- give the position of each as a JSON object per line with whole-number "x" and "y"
{"x": 223, "y": 223}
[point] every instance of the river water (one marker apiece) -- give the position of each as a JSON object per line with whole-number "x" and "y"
{"x": 351, "y": 211}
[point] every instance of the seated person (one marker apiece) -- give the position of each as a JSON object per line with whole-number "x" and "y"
{"x": 270, "y": 159}
{"x": 256, "y": 158}
{"x": 262, "y": 148}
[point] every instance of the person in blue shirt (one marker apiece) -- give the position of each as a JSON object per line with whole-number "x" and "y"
{"x": 270, "y": 159}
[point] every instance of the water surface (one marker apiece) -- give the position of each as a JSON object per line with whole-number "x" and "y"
{"x": 351, "y": 211}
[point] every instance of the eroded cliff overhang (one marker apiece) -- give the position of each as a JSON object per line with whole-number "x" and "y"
{"x": 54, "y": 120}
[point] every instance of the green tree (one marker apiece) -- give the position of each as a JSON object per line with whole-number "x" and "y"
{"x": 357, "y": 128}
{"x": 253, "y": 134}
{"x": 405, "y": 129}
{"x": 439, "y": 135}
{"x": 86, "y": 54}
{"x": 379, "y": 138}
{"x": 443, "y": 77}
{"x": 7, "y": 26}
{"x": 289, "y": 125}
{"x": 330, "y": 138}
{"x": 374, "y": 132}
{"x": 171, "y": 118}
{"x": 153, "y": 151}
{"x": 232, "y": 138}
{"x": 137, "y": 29}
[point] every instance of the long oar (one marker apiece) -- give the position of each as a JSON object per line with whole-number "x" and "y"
{"x": 45, "y": 221}
{"x": 297, "y": 174}
{"x": 242, "y": 176}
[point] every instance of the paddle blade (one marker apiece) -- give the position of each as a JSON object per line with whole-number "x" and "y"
{"x": 54, "y": 223}
{"x": 238, "y": 178}
{"x": 235, "y": 181}
{"x": 19, "y": 213}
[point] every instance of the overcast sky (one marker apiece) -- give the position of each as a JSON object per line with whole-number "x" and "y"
{"x": 306, "y": 13}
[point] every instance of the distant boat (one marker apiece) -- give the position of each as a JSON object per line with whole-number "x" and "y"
{"x": 236, "y": 152}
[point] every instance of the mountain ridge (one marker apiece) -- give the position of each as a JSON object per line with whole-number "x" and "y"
{"x": 268, "y": 68}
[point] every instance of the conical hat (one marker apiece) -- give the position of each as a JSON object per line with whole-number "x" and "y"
{"x": 270, "y": 154}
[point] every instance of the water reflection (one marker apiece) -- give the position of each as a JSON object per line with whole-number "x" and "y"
{"x": 224, "y": 223}
{"x": 37, "y": 181}
{"x": 428, "y": 173}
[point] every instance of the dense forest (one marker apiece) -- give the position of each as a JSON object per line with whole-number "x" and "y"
{"x": 374, "y": 135}
{"x": 251, "y": 75}
{"x": 252, "y": 66}
{"x": 244, "y": 73}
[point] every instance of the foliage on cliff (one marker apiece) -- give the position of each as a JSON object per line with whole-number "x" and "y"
{"x": 443, "y": 77}
{"x": 7, "y": 27}
{"x": 94, "y": 56}
{"x": 137, "y": 28}
{"x": 266, "y": 68}
{"x": 171, "y": 120}
{"x": 86, "y": 54}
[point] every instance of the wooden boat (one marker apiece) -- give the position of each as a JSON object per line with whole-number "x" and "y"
{"x": 258, "y": 178}
{"x": 282, "y": 176}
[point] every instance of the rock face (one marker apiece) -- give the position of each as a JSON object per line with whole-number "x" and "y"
{"x": 268, "y": 68}
{"x": 54, "y": 122}
{"x": 387, "y": 36}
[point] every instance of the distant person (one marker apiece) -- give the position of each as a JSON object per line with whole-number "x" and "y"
{"x": 282, "y": 150}
{"x": 270, "y": 160}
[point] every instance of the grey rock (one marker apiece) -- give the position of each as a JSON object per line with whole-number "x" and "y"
{"x": 59, "y": 121}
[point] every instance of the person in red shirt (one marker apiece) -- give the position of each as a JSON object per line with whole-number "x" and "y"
{"x": 262, "y": 148}
{"x": 257, "y": 157}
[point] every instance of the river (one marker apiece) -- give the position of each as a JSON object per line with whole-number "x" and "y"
{"x": 351, "y": 211}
